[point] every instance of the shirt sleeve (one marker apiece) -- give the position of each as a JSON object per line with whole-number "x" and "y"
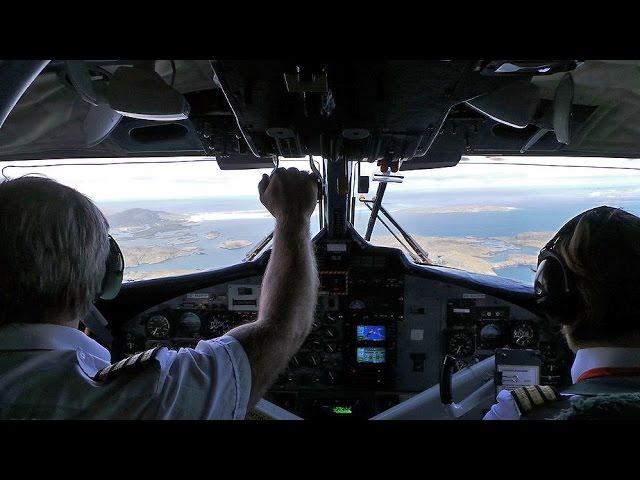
{"x": 505, "y": 409}
{"x": 212, "y": 381}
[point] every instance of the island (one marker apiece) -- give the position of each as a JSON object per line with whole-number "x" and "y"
{"x": 137, "y": 223}
{"x": 183, "y": 240}
{"x": 475, "y": 254}
{"x": 457, "y": 209}
{"x": 152, "y": 254}
{"x": 212, "y": 235}
{"x": 529, "y": 239}
{"x": 234, "y": 244}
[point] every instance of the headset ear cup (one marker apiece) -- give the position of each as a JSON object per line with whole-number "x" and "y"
{"x": 114, "y": 272}
{"x": 552, "y": 290}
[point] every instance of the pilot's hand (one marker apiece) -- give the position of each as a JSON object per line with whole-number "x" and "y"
{"x": 289, "y": 194}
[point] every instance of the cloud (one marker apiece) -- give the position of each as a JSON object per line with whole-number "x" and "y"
{"x": 163, "y": 180}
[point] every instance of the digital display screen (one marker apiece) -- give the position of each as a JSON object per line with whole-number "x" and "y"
{"x": 371, "y": 333}
{"x": 370, "y": 355}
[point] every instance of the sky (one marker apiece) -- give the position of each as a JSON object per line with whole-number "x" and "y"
{"x": 123, "y": 181}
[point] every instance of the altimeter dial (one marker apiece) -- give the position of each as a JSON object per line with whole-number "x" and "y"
{"x": 158, "y": 326}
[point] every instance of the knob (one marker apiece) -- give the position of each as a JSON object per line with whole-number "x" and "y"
{"x": 331, "y": 332}
{"x": 314, "y": 360}
{"x": 333, "y": 377}
{"x": 329, "y": 319}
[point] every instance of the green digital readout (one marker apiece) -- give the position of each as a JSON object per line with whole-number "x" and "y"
{"x": 342, "y": 410}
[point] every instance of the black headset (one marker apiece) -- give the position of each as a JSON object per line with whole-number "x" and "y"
{"x": 113, "y": 273}
{"x": 554, "y": 285}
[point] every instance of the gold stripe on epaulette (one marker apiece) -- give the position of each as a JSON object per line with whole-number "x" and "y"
{"x": 549, "y": 393}
{"x": 534, "y": 394}
{"x": 522, "y": 400}
{"x": 127, "y": 363}
{"x": 531, "y": 396}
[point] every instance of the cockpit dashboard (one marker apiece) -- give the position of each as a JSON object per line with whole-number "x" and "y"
{"x": 381, "y": 329}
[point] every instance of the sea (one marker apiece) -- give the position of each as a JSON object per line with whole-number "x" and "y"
{"x": 244, "y": 218}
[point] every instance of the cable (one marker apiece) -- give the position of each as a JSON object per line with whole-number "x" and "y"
{"x": 244, "y": 135}
{"x": 173, "y": 74}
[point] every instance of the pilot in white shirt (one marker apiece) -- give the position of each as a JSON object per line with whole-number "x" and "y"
{"x": 56, "y": 259}
{"x": 212, "y": 381}
{"x": 588, "y": 281}
{"x": 589, "y": 363}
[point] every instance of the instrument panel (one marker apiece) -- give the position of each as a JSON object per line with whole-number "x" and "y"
{"x": 379, "y": 333}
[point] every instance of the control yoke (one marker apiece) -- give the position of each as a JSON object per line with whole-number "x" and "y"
{"x": 457, "y": 410}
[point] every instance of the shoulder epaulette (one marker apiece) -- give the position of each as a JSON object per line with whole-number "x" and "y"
{"x": 127, "y": 364}
{"x": 532, "y": 396}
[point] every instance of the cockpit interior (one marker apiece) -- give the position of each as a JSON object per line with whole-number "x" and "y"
{"x": 401, "y": 330}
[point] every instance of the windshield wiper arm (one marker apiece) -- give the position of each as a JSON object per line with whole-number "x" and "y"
{"x": 418, "y": 254}
{"x": 258, "y": 248}
{"x": 377, "y": 203}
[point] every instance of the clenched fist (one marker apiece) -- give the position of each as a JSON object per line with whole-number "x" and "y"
{"x": 289, "y": 194}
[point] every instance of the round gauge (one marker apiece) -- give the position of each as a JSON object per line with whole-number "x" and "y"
{"x": 522, "y": 335}
{"x": 460, "y": 344}
{"x": 158, "y": 326}
{"x": 357, "y": 305}
{"x": 189, "y": 323}
{"x": 491, "y": 336}
{"x": 216, "y": 325}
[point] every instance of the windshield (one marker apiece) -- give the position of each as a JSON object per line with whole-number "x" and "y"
{"x": 487, "y": 215}
{"x": 172, "y": 217}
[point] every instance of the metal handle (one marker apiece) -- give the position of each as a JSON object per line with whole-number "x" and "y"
{"x": 446, "y": 391}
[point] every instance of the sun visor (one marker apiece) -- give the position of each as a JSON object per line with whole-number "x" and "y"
{"x": 514, "y": 105}
{"x": 143, "y": 94}
{"x": 435, "y": 158}
{"x": 244, "y": 162}
{"x": 446, "y": 151}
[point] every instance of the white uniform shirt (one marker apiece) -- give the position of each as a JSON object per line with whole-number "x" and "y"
{"x": 46, "y": 371}
{"x": 586, "y": 359}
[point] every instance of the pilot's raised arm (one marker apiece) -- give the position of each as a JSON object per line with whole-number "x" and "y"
{"x": 290, "y": 284}
{"x": 57, "y": 258}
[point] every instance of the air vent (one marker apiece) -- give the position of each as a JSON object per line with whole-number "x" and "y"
{"x": 158, "y": 133}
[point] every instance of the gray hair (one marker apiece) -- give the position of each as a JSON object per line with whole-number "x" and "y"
{"x": 53, "y": 250}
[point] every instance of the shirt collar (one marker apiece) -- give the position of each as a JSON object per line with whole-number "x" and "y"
{"x": 602, "y": 357}
{"x": 46, "y": 336}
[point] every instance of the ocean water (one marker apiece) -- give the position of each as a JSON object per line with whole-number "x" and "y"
{"x": 247, "y": 219}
